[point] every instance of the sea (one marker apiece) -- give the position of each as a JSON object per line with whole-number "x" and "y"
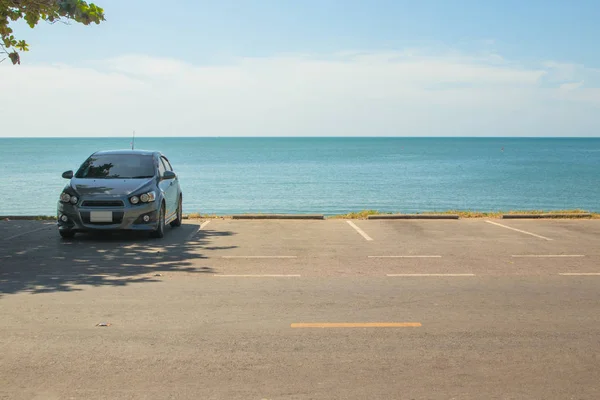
{"x": 234, "y": 175}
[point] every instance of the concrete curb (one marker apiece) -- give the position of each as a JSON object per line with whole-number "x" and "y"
{"x": 278, "y": 216}
{"x": 539, "y": 216}
{"x": 414, "y": 216}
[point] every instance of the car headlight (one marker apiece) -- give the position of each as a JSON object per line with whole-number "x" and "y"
{"x": 74, "y": 200}
{"x": 65, "y": 197}
{"x": 148, "y": 197}
{"x": 144, "y": 198}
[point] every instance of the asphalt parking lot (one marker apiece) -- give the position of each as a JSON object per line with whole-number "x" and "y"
{"x": 464, "y": 309}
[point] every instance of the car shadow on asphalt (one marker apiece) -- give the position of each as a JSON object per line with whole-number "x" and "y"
{"x": 108, "y": 260}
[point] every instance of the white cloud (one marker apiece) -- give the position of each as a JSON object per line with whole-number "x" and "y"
{"x": 349, "y": 93}
{"x": 571, "y": 86}
{"x": 570, "y": 73}
{"x": 560, "y": 71}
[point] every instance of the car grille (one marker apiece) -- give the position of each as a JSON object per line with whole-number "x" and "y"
{"x": 117, "y": 218}
{"x": 102, "y": 203}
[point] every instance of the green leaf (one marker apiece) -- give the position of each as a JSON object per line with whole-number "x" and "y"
{"x": 15, "y": 15}
{"x": 22, "y": 45}
{"x": 32, "y": 19}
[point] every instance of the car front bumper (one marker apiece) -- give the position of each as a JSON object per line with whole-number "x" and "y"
{"x": 128, "y": 217}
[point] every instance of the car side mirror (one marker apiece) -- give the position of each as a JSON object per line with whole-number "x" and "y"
{"x": 169, "y": 175}
{"x": 67, "y": 174}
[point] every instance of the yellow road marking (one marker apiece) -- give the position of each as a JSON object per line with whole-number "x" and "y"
{"x": 547, "y": 255}
{"x": 419, "y": 275}
{"x": 356, "y": 325}
{"x": 258, "y": 276}
{"x": 580, "y": 274}
{"x": 404, "y": 256}
{"x": 259, "y": 257}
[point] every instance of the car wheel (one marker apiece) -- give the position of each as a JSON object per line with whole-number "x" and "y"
{"x": 66, "y": 234}
{"x": 177, "y": 221}
{"x": 160, "y": 229}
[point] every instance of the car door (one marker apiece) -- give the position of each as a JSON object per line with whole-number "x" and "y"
{"x": 171, "y": 194}
{"x": 164, "y": 185}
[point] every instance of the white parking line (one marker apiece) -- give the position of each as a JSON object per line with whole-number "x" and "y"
{"x": 72, "y": 275}
{"x": 88, "y": 277}
{"x": 362, "y": 233}
{"x": 409, "y": 275}
{"x": 191, "y": 235}
{"x": 31, "y": 249}
{"x": 259, "y": 257}
{"x": 580, "y": 274}
{"x": 25, "y": 233}
{"x": 404, "y": 256}
{"x": 519, "y": 230}
{"x": 259, "y": 276}
{"x": 546, "y": 255}
{"x": 204, "y": 224}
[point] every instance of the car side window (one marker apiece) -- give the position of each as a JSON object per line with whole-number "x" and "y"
{"x": 167, "y": 164}
{"x": 161, "y": 168}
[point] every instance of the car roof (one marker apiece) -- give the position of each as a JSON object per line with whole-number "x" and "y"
{"x": 127, "y": 152}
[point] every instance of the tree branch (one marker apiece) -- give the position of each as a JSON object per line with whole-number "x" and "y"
{"x": 3, "y": 50}
{"x": 25, "y": 3}
{"x": 33, "y": 11}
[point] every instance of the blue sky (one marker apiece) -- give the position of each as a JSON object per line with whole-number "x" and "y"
{"x": 484, "y": 54}
{"x": 197, "y": 30}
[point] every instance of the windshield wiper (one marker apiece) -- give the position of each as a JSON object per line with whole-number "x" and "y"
{"x": 142, "y": 177}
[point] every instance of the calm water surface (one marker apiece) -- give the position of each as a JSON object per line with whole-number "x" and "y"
{"x": 329, "y": 175}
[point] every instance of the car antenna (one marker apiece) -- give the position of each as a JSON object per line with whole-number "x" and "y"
{"x": 133, "y": 140}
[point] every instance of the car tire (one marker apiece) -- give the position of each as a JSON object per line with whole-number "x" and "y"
{"x": 67, "y": 234}
{"x": 177, "y": 221}
{"x": 159, "y": 232}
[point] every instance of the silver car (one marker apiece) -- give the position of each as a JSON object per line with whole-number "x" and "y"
{"x": 133, "y": 190}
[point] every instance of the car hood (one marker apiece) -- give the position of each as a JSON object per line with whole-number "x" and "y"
{"x": 110, "y": 187}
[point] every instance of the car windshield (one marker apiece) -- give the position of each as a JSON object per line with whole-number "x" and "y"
{"x": 117, "y": 166}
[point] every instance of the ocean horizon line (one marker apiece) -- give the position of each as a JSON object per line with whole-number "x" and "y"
{"x": 302, "y": 137}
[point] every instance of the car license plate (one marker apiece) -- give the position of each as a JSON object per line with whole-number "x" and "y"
{"x": 101, "y": 216}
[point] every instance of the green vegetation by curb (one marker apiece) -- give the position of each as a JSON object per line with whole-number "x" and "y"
{"x": 356, "y": 215}
{"x": 204, "y": 216}
{"x": 374, "y": 214}
{"x": 455, "y": 214}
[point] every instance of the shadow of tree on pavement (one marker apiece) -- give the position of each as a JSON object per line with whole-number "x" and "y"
{"x": 119, "y": 259}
